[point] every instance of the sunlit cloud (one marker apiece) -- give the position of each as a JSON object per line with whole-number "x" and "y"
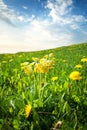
{"x": 12, "y": 17}
{"x": 25, "y": 7}
{"x": 61, "y": 12}
{"x": 28, "y": 32}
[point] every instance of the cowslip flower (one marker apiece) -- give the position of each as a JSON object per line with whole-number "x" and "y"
{"x": 54, "y": 78}
{"x": 84, "y": 60}
{"x": 28, "y": 109}
{"x": 24, "y": 64}
{"x": 35, "y": 59}
{"x": 75, "y": 75}
{"x": 28, "y": 70}
{"x": 43, "y": 66}
{"x": 43, "y": 60}
{"x": 46, "y": 56}
{"x": 40, "y": 68}
{"x": 78, "y": 66}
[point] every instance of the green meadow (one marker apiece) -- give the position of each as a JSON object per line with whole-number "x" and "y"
{"x": 44, "y": 90}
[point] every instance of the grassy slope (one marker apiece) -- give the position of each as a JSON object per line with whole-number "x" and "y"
{"x": 72, "y": 54}
{"x": 66, "y": 52}
{"x": 65, "y": 60}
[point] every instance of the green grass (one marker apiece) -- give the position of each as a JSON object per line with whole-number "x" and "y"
{"x": 62, "y": 100}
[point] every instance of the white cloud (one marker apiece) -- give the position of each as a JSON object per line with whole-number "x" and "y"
{"x": 79, "y": 18}
{"x": 59, "y": 8}
{"x": 25, "y": 18}
{"x": 6, "y": 14}
{"x": 21, "y": 18}
{"x": 39, "y": 34}
{"x": 25, "y": 7}
{"x": 12, "y": 17}
{"x": 61, "y": 13}
{"x": 2, "y": 5}
{"x": 74, "y": 26}
{"x": 38, "y": 0}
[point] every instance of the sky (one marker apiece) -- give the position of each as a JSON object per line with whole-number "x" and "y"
{"x": 30, "y": 25}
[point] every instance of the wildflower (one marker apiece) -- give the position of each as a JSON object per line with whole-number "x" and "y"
{"x": 31, "y": 64}
{"x": 75, "y": 75}
{"x": 35, "y": 59}
{"x": 40, "y": 68}
{"x": 43, "y": 60}
{"x": 28, "y": 69}
{"x": 24, "y": 64}
{"x": 78, "y": 66}
{"x": 28, "y": 109}
{"x": 84, "y": 59}
{"x": 58, "y": 125}
{"x": 49, "y": 64}
{"x": 46, "y": 56}
{"x": 54, "y": 78}
{"x": 43, "y": 66}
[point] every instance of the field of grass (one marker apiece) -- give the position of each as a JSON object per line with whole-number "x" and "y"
{"x": 44, "y": 90}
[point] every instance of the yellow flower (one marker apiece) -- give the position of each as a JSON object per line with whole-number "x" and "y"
{"x": 54, "y": 78}
{"x": 28, "y": 70}
{"x": 43, "y": 66}
{"x": 78, "y": 66}
{"x": 46, "y": 56}
{"x": 24, "y": 64}
{"x": 28, "y": 109}
{"x": 43, "y": 60}
{"x": 40, "y": 68}
{"x": 31, "y": 64}
{"x": 35, "y": 59}
{"x": 84, "y": 59}
{"x": 75, "y": 75}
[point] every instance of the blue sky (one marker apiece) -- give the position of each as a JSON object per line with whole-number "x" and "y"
{"x": 29, "y": 25}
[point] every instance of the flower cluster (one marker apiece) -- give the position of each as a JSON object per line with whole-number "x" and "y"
{"x": 38, "y": 65}
{"x": 26, "y": 68}
{"x": 43, "y": 65}
{"x": 76, "y": 75}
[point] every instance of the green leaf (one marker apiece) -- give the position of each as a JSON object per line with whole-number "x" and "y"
{"x": 16, "y": 124}
{"x": 38, "y": 103}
